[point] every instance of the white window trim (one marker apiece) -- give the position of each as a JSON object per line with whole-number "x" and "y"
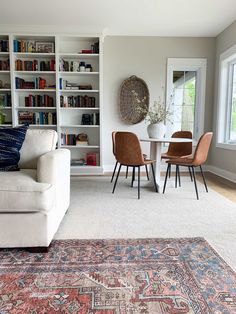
{"x": 190, "y": 64}
{"x": 222, "y": 108}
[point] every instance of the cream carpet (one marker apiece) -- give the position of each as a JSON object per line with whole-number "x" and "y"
{"x": 96, "y": 213}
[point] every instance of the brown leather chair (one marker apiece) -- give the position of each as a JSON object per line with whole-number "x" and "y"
{"x": 114, "y": 153}
{"x": 128, "y": 152}
{"x": 176, "y": 150}
{"x": 199, "y": 158}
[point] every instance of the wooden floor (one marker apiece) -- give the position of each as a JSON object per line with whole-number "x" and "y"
{"x": 220, "y": 185}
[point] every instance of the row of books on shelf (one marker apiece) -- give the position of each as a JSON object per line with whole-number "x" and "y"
{"x": 39, "y": 101}
{"x": 74, "y": 139}
{"x": 34, "y": 65}
{"x": 4, "y": 45}
{"x": 77, "y": 101}
{"x": 64, "y": 84}
{"x": 33, "y": 46}
{"x": 5, "y": 65}
{"x": 91, "y": 159}
{"x": 5, "y": 100}
{"x": 43, "y": 118}
{"x": 38, "y": 83}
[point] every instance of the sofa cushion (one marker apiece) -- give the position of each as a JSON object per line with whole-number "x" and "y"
{"x": 19, "y": 192}
{"x": 37, "y": 143}
{"x": 11, "y": 140}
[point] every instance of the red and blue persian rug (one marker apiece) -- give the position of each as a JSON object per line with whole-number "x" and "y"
{"x": 166, "y": 276}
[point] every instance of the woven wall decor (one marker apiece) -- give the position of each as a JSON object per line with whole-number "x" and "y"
{"x": 133, "y": 93}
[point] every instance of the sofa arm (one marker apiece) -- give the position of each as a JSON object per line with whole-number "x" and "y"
{"x": 54, "y": 168}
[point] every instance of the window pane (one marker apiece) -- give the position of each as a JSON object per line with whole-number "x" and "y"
{"x": 184, "y": 100}
{"x": 233, "y": 108}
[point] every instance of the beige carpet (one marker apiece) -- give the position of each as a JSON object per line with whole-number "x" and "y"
{"x": 96, "y": 213}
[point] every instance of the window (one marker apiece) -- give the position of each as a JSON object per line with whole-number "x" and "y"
{"x": 186, "y": 95}
{"x": 226, "y": 122}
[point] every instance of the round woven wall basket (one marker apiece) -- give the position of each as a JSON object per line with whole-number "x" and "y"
{"x": 134, "y": 93}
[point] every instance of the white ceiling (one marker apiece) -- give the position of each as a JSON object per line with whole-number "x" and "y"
{"x": 124, "y": 17}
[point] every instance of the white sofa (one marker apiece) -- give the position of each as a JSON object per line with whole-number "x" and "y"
{"x": 33, "y": 201}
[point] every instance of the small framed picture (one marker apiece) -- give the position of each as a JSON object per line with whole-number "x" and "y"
{"x": 45, "y": 47}
{"x": 31, "y": 46}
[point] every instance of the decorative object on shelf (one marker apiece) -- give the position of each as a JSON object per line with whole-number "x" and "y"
{"x": 44, "y": 47}
{"x": 82, "y": 139}
{"x": 90, "y": 119}
{"x": 2, "y": 117}
{"x": 82, "y": 66}
{"x": 128, "y": 102}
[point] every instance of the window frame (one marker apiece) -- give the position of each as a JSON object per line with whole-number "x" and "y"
{"x": 227, "y": 61}
{"x": 198, "y": 65}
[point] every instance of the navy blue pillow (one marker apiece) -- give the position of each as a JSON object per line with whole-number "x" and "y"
{"x": 11, "y": 140}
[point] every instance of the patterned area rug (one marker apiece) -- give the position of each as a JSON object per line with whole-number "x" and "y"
{"x": 166, "y": 276}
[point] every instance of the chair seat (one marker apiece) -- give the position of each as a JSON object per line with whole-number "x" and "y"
{"x": 185, "y": 161}
{"x": 20, "y": 192}
{"x": 167, "y": 156}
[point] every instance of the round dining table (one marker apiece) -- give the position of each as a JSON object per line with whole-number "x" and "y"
{"x": 155, "y": 152}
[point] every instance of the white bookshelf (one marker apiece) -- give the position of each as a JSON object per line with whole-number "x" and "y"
{"x": 68, "y": 117}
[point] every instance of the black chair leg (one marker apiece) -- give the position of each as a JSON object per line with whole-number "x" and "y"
{"x": 116, "y": 179}
{"x": 204, "y": 179}
{"x": 167, "y": 172}
{"x": 170, "y": 171}
{"x": 178, "y": 175}
{"x": 127, "y": 170}
{"x": 114, "y": 171}
{"x": 133, "y": 177}
{"x": 154, "y": 179}
{"x": 190, "y": 173}
{"x": 195, "y": 183}
{"x": 138, "y": 182}
{"x": 146, "y": 167}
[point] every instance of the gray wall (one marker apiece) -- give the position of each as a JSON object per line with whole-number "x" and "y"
{"x": 224, "y": 159}
{"x": 146, "y": 57}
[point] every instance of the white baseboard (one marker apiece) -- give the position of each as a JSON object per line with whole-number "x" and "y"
{"x": 222, "y": 173}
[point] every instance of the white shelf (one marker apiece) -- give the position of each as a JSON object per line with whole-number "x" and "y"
{"x": 5, "y": 108}
{"x": 78, "y": 55}
{"x": 68, "y": 73}
{"x": 33, "y": 54}
{"x": 79, "y": 91}
{"x": 4, "y": 53}
{"x": 41, "y": 125}
{"x": 5, "y": 90}
{"x": 81, "y": 146}
{"x": 35, "y": 72}
{"x": 79, "y": 108}
{"x": 1, "y": 125}
{"x": 4, "y": 71}
{"x": 80, "y": 126}
{"x": 36, "y": 108}
{"x": 35, "y": 90}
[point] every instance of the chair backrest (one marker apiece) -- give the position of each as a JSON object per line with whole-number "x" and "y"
{"x": 113, "y": 135}
{"x": 128, "y": 149}
{"x": 202, "y": 149}
{"x": 36, "y": 143}
{"x": 180, "y": 149}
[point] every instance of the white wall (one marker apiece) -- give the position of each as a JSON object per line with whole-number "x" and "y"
{"x": 223, "y": 160}
{"x": 146, "y": 57}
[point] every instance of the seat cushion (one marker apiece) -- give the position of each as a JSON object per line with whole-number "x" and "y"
{"x": 19, "y": 192}
{"x": 11, "y": 140}
{"x": 36, "y": 144}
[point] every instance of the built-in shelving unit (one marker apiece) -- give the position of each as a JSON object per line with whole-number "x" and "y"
{"x": 54, "y": 81}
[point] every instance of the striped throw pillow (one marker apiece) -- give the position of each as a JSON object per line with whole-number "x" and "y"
{"x": 11, "y": 140}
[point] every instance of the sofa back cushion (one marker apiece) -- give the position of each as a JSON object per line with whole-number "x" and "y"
{"x": 37, "y": 143}
{"x": 11, "y": 140}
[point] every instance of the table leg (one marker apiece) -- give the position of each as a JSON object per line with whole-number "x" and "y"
{"x": 155, "y": 154}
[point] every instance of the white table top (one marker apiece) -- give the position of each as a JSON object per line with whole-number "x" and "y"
{"x": 167, "y": 140}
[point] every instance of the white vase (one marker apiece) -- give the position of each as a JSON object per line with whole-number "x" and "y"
{"x": 156, "y": 130}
